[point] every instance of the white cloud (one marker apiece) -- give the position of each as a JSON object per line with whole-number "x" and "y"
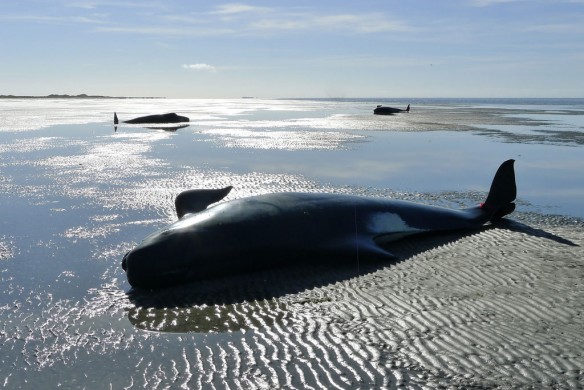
{"x": 366, "y": 23}
{"x": 200, "y": 67}
{"x": 94, "y": 4}
{"x": 568, "y": 28}
{"x": 95, "y": 19}
{"x": 236, "y": 8}
{"x": 166, "y": 31}
{"x": 241, "y": 19}
{"x": 360, "y": 23}
{"x": 486, "y": 3}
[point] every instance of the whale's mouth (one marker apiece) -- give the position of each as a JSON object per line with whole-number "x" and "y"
{"x": 124, "y": 262}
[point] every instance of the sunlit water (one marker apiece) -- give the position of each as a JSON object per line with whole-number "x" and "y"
{"x": 77, "y": 193}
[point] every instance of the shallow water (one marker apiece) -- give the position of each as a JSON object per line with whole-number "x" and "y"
{"x": 76, "y": 194}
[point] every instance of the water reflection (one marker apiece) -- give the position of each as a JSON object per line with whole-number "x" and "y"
{"x": 248, "y": 301}
{"x": 284, "y": 140}
{"x": 167, "y": 128}
{"x": 170, "y": 128}
{"x": 209, "y": 319}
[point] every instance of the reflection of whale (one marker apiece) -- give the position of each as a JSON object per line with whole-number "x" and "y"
{"x": 283, "y": 228}
{"x": 245, "y": 301}
{"x": 159, "y": 118}
{"x": 381, "y": 110}
{"x": 167, "y": 128}
{"x": 208, "y": 318}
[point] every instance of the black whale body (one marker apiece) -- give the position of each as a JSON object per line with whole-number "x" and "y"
{"x": 381, "y": 110}
{"x": 282, "y": 228}
{"x": 158, "y": 118}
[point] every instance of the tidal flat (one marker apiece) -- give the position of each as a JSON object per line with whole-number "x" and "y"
{"x": 501, "y": 306}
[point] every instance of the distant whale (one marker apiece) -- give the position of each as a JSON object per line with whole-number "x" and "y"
{"x": 380, "y": 110}
{"x": 282, "y": 228}
{"x": 159, "y": 118}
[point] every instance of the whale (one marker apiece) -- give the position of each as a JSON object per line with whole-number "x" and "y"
{"x": 157, "y": 118}
{"x": 381, "y": 110}
{"x": 241, "y": 235}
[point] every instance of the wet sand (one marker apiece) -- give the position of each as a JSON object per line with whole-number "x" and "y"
{"x": 500, "y": 306}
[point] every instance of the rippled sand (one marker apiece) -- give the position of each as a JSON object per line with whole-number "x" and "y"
{"x": 501, "y": 306}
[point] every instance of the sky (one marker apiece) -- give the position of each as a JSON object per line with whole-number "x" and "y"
{"x": 293, "y": 48}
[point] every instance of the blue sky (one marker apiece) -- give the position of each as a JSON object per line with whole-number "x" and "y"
{"x": 333, "y": 48}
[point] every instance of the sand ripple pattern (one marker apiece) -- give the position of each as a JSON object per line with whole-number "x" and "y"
{"x": 496, "y": 307}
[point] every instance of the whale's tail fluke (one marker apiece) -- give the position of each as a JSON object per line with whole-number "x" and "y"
{"x": 408, "y": 108}
{"x": 502, "y": 193}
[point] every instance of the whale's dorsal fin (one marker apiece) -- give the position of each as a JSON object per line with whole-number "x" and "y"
{"x": 193, "y": 201}
{"x": 502, "y": 193}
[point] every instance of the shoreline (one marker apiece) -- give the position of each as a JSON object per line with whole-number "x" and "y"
{"x": 81, "y": 96}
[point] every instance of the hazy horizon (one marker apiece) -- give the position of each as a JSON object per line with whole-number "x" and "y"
{"x": 398, "y": 98}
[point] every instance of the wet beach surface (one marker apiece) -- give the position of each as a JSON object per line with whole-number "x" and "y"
{"x": 499, "y": 306}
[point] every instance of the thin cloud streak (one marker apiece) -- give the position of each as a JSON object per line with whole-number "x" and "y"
{"x": 166, "y": 31}
{"x": 200, "y": 67}
{"x": 366, "y": 23}
{"x": 53, "y": 19}
{"x": 488, "y": 3}
{"x": 560, "y": 28}
{"x": 94, "y": 4}
{"x": 234, "y": 18}
{"x": 237, "y": 8}
{"x": 241, "y": 19}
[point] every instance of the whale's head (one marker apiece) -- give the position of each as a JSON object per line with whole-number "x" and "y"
{"x": 160, "y": 260}
{"x": 171, "y": 255}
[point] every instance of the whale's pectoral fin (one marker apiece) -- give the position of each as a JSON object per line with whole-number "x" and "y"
{"x": 366, "y": 248}
{"x": 371, "y": 250}
{"x": 193, "y": 201}
{"x": 362, "y": 247}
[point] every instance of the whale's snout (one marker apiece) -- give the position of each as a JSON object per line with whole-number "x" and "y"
{"x": 157, "y": 263}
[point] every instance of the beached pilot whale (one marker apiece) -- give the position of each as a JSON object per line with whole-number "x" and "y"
{"x": 381, "y": 110}
{"x": 282, "y": 228}
{"x": 159, "y": 118}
